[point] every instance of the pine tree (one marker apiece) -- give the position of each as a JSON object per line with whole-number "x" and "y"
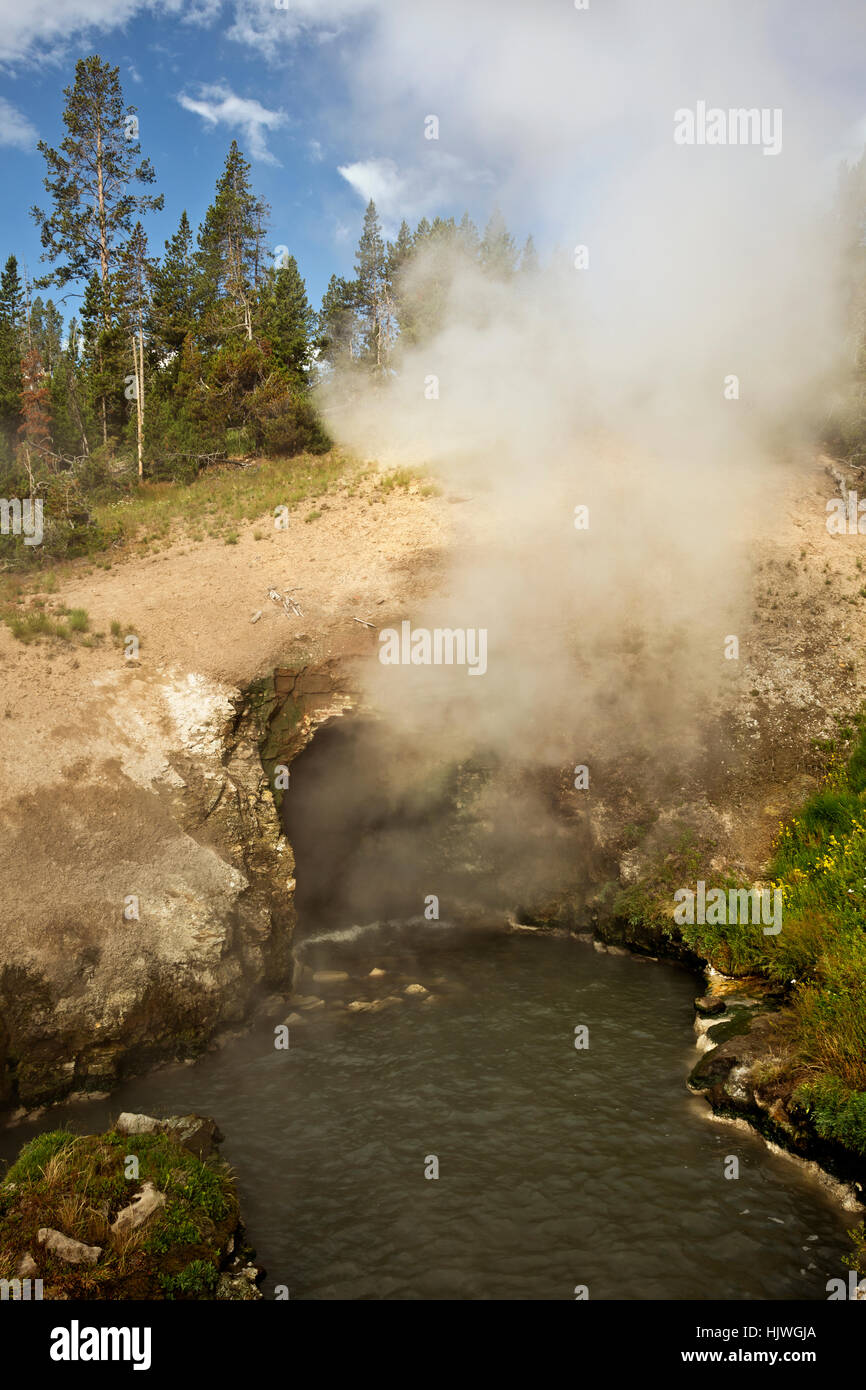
{"x": 288, "y": 321}
{"x": 498, "y": 251}
{"x": 46, "y": 331}
{"x": 68, "y": 426}
{"x": 101, "y": 372}
{"x": 10, "y": 352}
{"x": 399, "y": 261}
{"x": 528, "y": 258}
{"x": 132, "y": 295}
{"x": 175, "y": 292}
{"x": 399, "y": 251}
{"x": 89, "y": 179}
{"x": 34, "y": 432}
{"x": 468, "y": 238}
{"x": 230, "y": 253}
{"x": 373, "y": 292}
{"x": 336, "y": 322}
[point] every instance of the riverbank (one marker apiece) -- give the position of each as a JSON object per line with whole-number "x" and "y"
{"x": 554, "y": 1165}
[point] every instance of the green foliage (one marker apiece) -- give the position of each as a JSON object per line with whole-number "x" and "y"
{"x": 230, "y": 256}
{"x": 857, "y": 1257}
{"x": 177, "y": 290}
{"x": 77, "y": 1184}
{"x": 28, "y": 1166}
{"x": 198, "y": 1279}
{"x": 287, "y": 321}
{"x": 10, "y": 353}
{"x": 95, "y": 159}
{"x": 837, "y": 1113}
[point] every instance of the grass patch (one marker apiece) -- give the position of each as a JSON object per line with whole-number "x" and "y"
{"x": 78, "y": 1184}
{"x": 408, "y": 479}
{"x": 819, "y": 865}
{"x": 220, "y": 498}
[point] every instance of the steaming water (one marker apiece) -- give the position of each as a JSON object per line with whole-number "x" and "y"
{"x": 557, "y": 1167}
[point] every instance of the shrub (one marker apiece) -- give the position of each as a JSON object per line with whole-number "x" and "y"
{"x": 837, "y": 1113}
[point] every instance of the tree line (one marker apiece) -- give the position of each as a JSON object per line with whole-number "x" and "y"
{"x": 211, "y": 347}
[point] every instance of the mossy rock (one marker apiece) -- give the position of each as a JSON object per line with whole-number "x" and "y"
{"x": 77, "y": 1184}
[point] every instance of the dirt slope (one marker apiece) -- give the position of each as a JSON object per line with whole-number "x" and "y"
{"x": 118, "y": 796}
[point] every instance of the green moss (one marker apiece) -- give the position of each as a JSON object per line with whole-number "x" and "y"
{"x": 78, "y": 1184}
{"x": 735, "y": 1024}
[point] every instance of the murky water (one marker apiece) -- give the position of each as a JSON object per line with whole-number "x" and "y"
{"x": 557, "y": 1167}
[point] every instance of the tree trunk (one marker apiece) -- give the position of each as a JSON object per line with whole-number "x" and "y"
{"x": 103, "y": 259}
{"x": 73, "y": 396}
{"x": 139, "y": 372}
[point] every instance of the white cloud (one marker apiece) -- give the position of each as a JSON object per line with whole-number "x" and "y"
{"x": 15, "y": 129}
{"x": 442, "y": 180}
{"x": 43, "y": 28}
{"x": 218, "y": 105}
{"x": 260, "y": 24}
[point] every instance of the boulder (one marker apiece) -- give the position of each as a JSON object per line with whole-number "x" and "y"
{"x": 418, "y": 991}
{"x": 74, "y": 1252}
{"x": 149, "y": 1200}
{"x": 197, "y": 1133}
{"x": 709, "y": 1004}
{"x": 128, "y": 1123}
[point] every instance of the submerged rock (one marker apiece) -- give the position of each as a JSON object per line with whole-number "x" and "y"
{"x": 387, "y": 1003}
{"x": 417, "y": 990}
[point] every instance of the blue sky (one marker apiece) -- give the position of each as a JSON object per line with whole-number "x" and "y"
{"x": 196, "y": 88}
{"x": 551, "y": 112}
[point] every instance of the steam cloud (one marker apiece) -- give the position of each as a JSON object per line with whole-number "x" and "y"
{"x": 605, "y": 386}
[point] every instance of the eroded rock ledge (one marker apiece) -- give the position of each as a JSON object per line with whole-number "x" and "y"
{"x": 745, "y": 1072}
{"x": 167, "y": 908}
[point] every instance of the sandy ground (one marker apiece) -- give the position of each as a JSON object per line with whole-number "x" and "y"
{"x": 87, "y": 738}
